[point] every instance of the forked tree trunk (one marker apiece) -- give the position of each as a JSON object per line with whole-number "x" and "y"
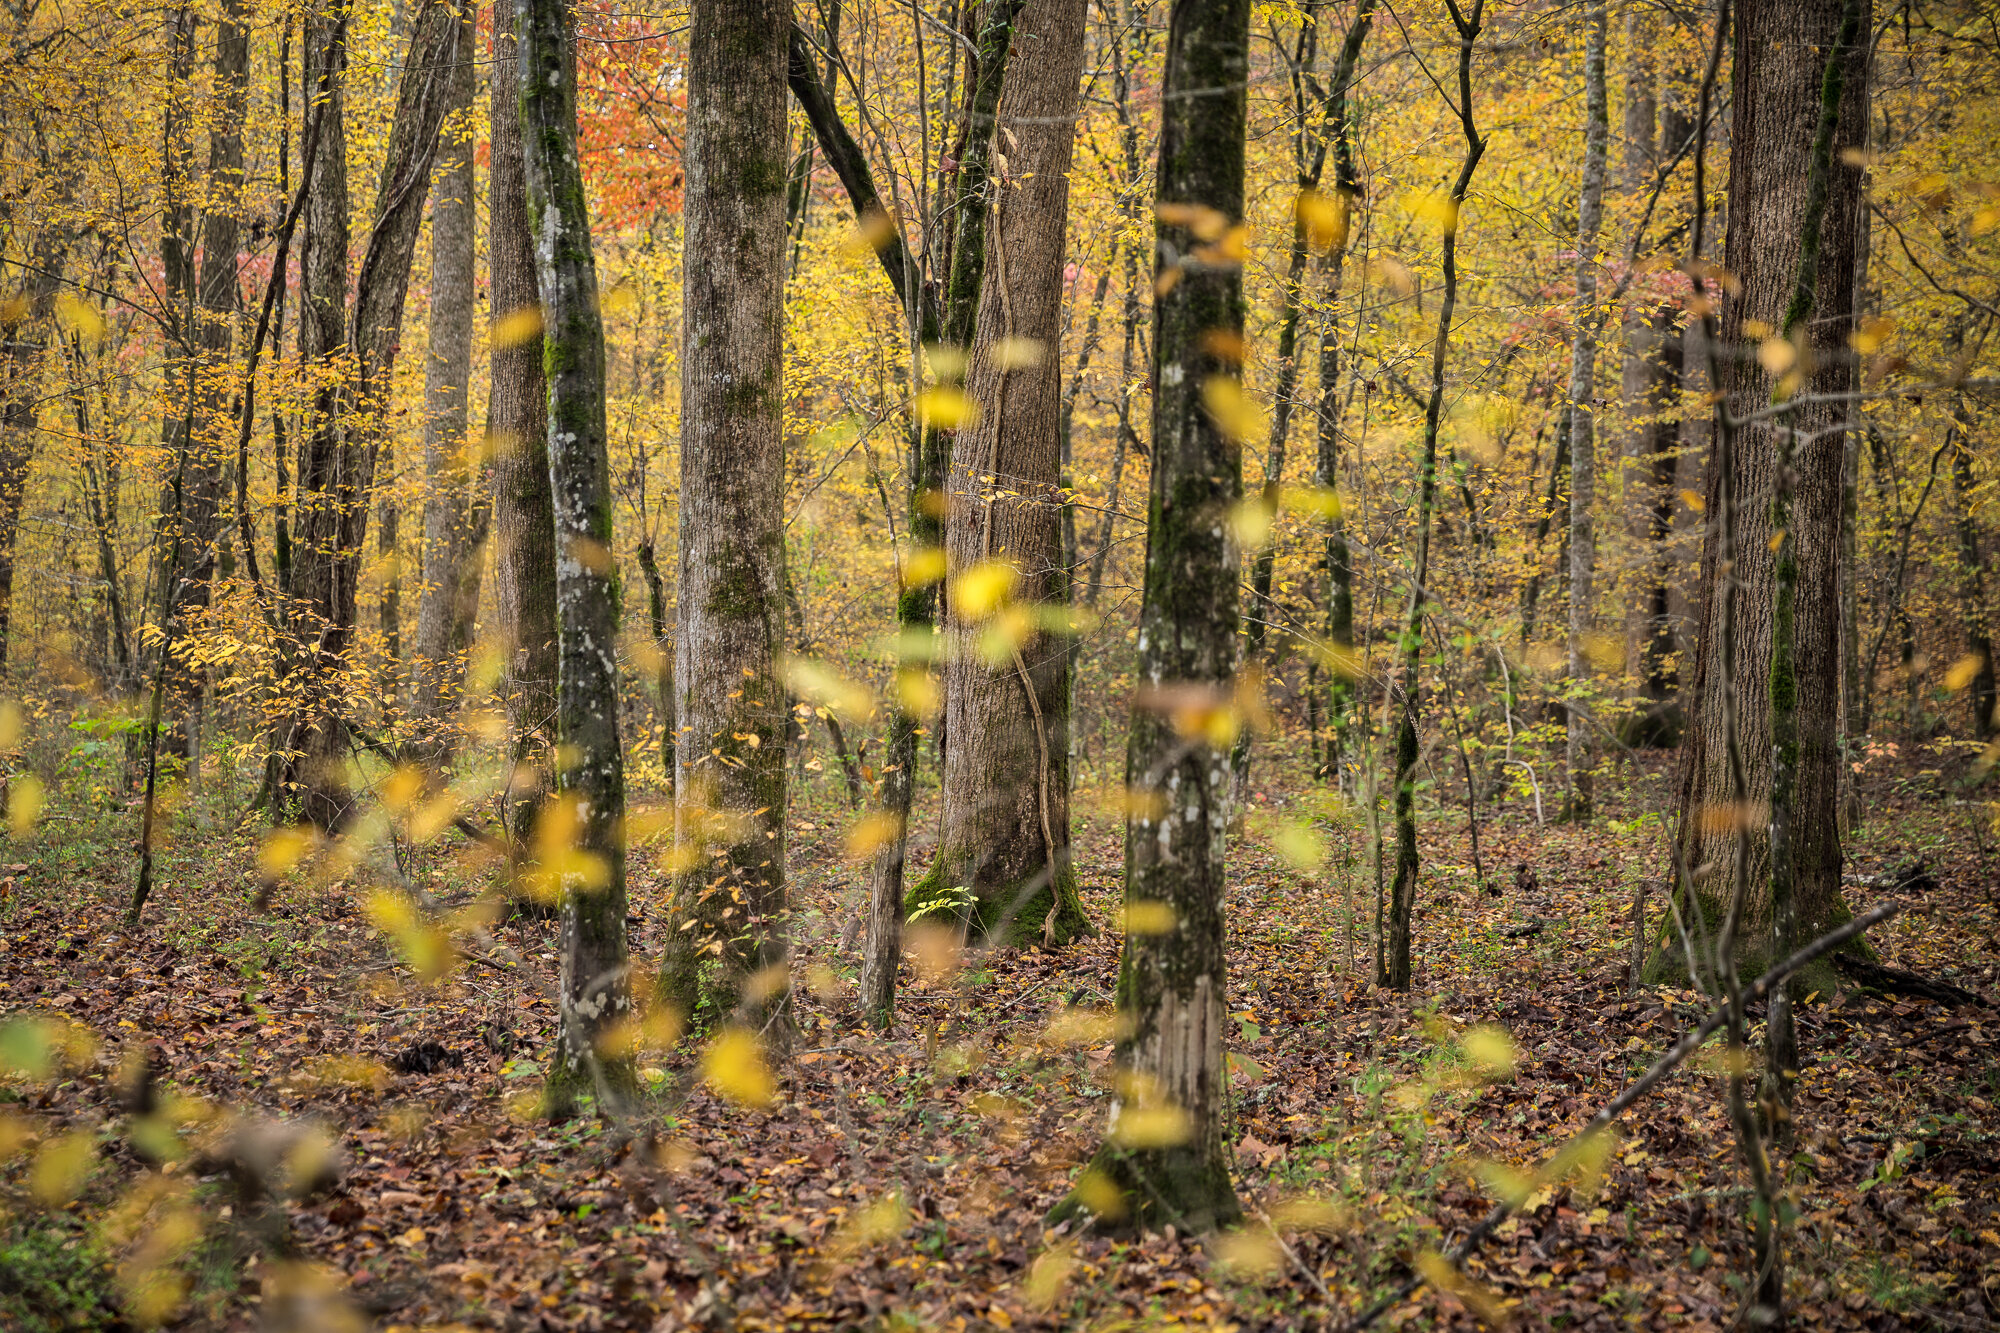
{"x": 1780, "y": 55}
{"x": 453, "y": 517}
{"x": 729, "y": 911}
{"x": 1582, "y": 415}
{"x": 1166, "y": 1158}
{"x": 524, "y": 566}
{"x": 595, "y": 989}
{"x": 339, "y": 455}
{"x": 1006, "y": 772}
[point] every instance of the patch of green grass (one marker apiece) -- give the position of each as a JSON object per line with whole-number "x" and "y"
{"x": 54, "y": 1276}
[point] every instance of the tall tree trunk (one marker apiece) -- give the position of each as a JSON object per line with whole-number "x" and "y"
{"x": 595, "y": 991}
{"x": 1005, "y": 831}
{"x": 931, "y": 320}
{"x": 1971, "y": 575}
{"x": 23, "y": 339}
{"x": 1654, "y": 377}
{"x": 175, "y": 548}
{"x": 524, "y": 566}
{"x": 1340, "y": 665}
{"x": 210, "y": 340}
{"x": 1780, "y": 57}
{"x": 663, "y": 670}
{"x": 1309, "y": 160}
{"x": 1394, "y": 969}
{"x": 1166, "y": 1154}
{"x": 729, "y": 943}
{"x": 339, "y": 454}
{"x": 1582, "y": 415}
{"x": 449, "y": 598}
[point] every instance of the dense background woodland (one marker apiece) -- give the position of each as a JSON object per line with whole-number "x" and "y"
{"x": 984, "y": 663}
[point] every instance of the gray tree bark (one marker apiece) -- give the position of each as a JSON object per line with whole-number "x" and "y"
{"x": 453, "y": 514}
{"x": 1582, "y": 412}
{"x": 1006, "y": 772}
{"x": 590, "y": 774}
{"x": 733, "y": 713}
{"x": 524, "y": 566}
{"x": 1166, "y": 1151}
{"x": 1779, "y": 58}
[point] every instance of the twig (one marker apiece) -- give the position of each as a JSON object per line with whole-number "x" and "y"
{"x": 1665, "y": 1065}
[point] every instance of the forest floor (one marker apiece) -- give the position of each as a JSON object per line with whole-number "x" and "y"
{"x": 900, "y": 1180}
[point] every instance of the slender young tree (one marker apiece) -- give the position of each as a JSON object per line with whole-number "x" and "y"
{"x": 1005, "y": 832}
{"x": 1393, "y": 965}
{"x": 590, "y": 772}
{"x": 1582, "y": 412}
{"x": 1780, "y": 65}
{"x": 453, "y": 515}
{"x": 1165, "y": 1159}
{"x": 524, "y": 566}
{"x": 1346, "y": 200}
{"x": 729, "y": 943}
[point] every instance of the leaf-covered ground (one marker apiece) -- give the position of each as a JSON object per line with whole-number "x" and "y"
{"x": 901, "y": 1179}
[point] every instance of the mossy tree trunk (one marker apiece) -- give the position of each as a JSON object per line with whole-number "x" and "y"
{"x": 1393, "y": 952}
{"x": 590, "y": 774}
{"x": 1006, "y": 771}
{"x": 733, "y": 713}
{"x": 1780, "y": 56}
{"x": 454, "y": 515}
{"x": 524, "y": 566}
{"x": 339, "y": 455}
{"x": 1166, "y": 1159}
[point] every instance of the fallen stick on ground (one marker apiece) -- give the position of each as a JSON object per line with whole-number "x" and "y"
{"x": 1612, "y": 1109}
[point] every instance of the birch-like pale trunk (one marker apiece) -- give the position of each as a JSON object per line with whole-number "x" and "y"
{"x": 729, "y": 940}
{"x": 595, "y": 988}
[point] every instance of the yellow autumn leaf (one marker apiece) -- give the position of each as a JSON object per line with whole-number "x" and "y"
{"x": 978, "y": 592}
{"x": 25, "y": 798}
{"x": 1323, "y": 219}
{"x": 61, "y": 1167}
{"x": 1300, "y": 844}
{"x": 282, "y": 849}
{"x": 1250, "y": 520}
{"x": 871, "y": 832}
{"x": 1963, "y": 672}
{"x": 1232, "y": 410}
{"x": 1155, "y": 1126}
{"x": 1693, "y": 501}
{"x": 518, "y": 327}
{"x": 1017, "y": 354}
{"x": 1491, "y": 1051}
{"x": 734, "y": 1066}
{"x": 925, "y": 566}
{"x": 821, "y": 684}
{"x": 1149, "y": 916}
{"x": 918, "y": 692}
{"x": 946, "y": 408}
{"x": 79, "y": 318}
